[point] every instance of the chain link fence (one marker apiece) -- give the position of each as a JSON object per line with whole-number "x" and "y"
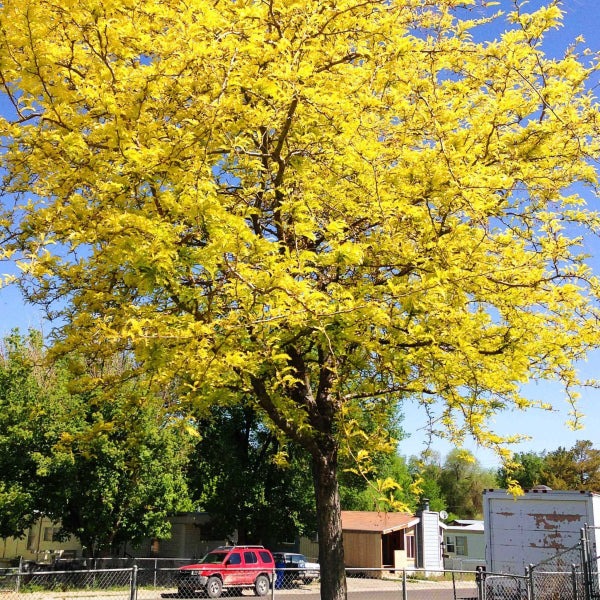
{"x": 537, "y": 585}
{"x": 505, "y": 587}
{"x": 113, "y": 583}
{"x": 560, "y": 576}
{"x": 553, "y": 579}
{"x": 156, "y": 579}
{"x": 153, "y": 581}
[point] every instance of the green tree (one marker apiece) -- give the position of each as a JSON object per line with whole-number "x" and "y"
{"x": 128, "y": 470}
{"x": 391, "y": 487}
{"x": 110, "y": 469}
{"x": 383, "y": 481}
{"x": 577, "y": 468}
{"x": 326, "y": 206}
{"x": 528, "y": 470}
{"x": 462, "y": 481}
{"x": 240, "y": 474}
{"x": 34, "y": 408}
{"x": 426, "y": 470}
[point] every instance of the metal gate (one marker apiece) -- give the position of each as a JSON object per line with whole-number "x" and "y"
{"x": 505, "y": 587}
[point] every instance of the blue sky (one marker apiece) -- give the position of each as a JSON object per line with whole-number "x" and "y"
{"x": 547, "y": 429}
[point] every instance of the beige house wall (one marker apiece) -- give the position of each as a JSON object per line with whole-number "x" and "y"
{"x": 187, "y": 539}
{"x": 39, "y": 544}
{"x": 401, "y": 561}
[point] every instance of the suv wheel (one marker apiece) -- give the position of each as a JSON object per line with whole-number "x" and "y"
{"x": 261, "y": 585}
{"x": 214, "y": 586}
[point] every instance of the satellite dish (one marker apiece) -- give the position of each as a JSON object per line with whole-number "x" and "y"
{"x": 443, "y": 515}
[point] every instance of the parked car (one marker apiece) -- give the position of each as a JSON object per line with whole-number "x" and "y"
{"x": 230, "y": 568}
{"x": 295, "y": 566}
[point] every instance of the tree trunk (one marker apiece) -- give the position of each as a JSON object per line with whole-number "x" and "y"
{"x": 329, "y": 521}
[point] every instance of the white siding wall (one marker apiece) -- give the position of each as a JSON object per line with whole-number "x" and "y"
{"x": 430, "y": 542}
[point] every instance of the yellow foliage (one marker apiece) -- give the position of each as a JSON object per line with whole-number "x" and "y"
{"x": 326, "y": 206}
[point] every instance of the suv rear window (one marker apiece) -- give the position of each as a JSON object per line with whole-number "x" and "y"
{"x": 250, "y": 558}
{"x": 265, "y": 556}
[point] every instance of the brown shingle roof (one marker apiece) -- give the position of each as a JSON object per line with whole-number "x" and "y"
{"x": 367, "y": 521}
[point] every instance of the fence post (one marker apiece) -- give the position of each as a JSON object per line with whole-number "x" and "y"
{"x": 453, "y": 585}
{"x": 155, "y": 571}
{"x": 529, "y": 575}
{"x": 19, "y": 574}
{"x": 273, "y": 581}
{"x": 133, "y": 591}
{"x": 585, "y": 559}
{"x": 480, "y": 580}
{"x": 574, "y": 580}
{"x": 404, "y": 588}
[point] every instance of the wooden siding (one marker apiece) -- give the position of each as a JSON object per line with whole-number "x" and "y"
{"x": 309, "y": 548}
{"x": 362, "y": 550}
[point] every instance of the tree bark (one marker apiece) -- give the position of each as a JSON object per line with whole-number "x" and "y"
{"x": 329, "y": 519}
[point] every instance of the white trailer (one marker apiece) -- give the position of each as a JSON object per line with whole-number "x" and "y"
{"x": 537, "y": 526}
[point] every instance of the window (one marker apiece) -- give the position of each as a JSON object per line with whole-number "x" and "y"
{"x": 235, "y": 559}
{"x": 461, "y": 545}
{"x": 50, "y": 534}
{"x": 457, "y": 545}
{"x": 410, "y": 546}
{"x": 250, "y": 558}
{"x": 266, "y": 556}
{"x": 30, "y": 540}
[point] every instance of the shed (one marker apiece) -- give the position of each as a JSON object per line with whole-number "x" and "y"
{"x": 379, "y": 540}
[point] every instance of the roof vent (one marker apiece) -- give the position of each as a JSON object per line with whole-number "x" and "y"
{"x": 541, "y": 488}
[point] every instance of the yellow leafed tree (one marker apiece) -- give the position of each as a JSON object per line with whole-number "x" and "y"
{"x": 325, "y": 206}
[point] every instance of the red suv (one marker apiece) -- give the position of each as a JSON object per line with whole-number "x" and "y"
{"x": 228, "y": 567}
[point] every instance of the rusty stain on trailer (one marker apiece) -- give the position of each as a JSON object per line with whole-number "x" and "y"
{"x": 552, "y": 540}
{"x": 553, "y": 520}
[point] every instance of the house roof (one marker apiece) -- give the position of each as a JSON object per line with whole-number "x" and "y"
{"x": 376, "y": 522}
{"x": 465, "y": 524}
